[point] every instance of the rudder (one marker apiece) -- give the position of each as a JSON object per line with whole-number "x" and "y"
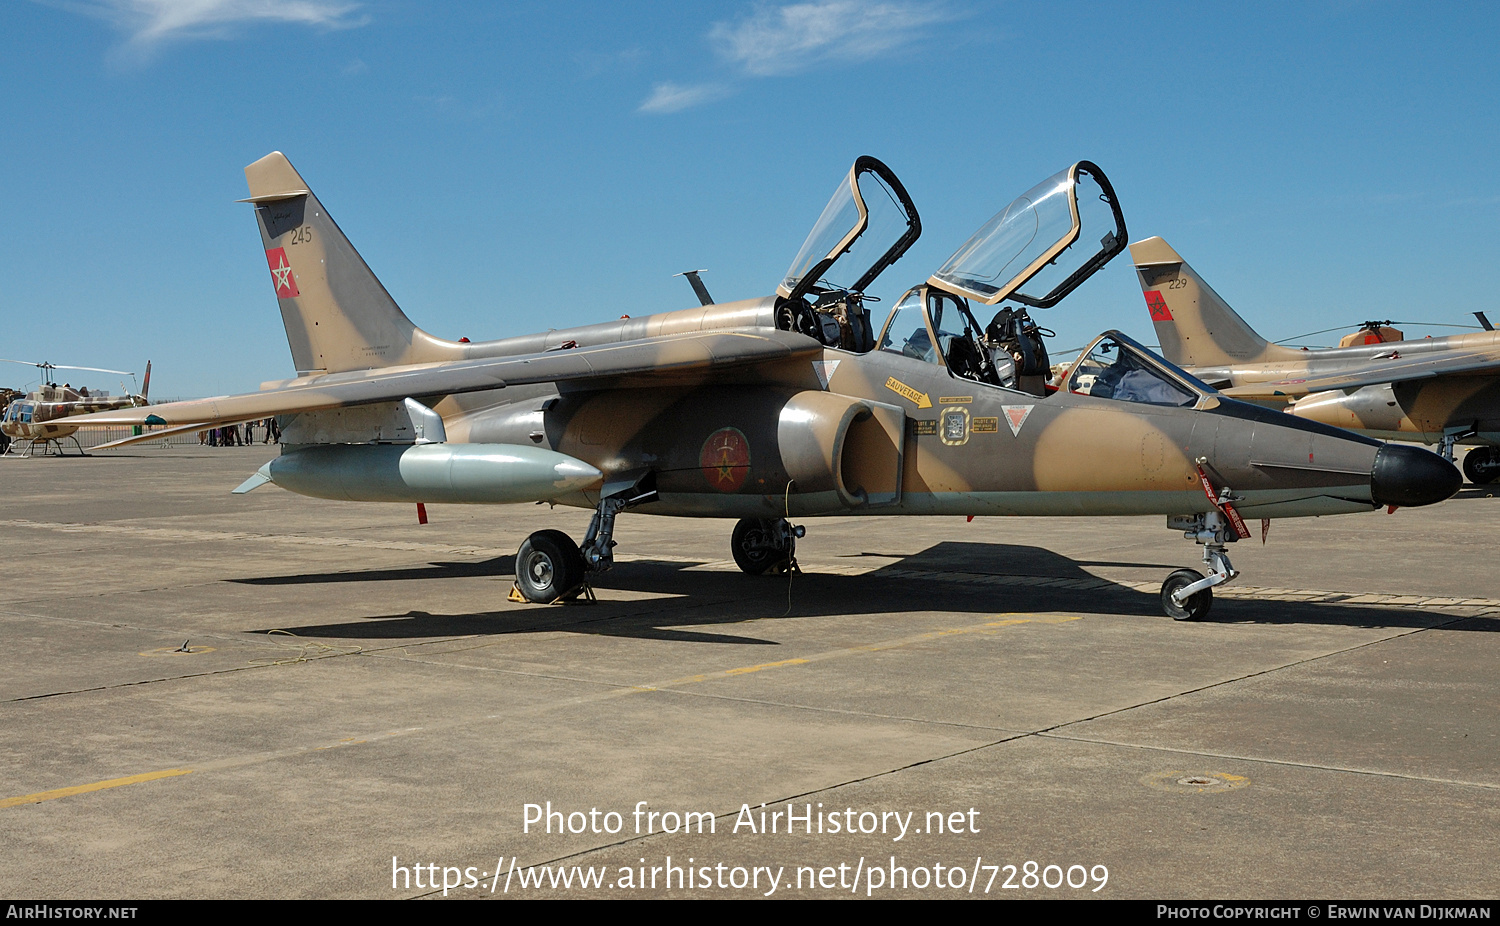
{"x": 337, "y": 314}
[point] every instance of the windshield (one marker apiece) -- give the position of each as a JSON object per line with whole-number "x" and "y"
{"x": 868, "y": 223}
{"x": 1048, "y": 240}
{"x": 1116, "y": 367}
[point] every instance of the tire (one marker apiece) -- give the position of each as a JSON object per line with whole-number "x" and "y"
{"x": 754, "y": 549}
{"x": 548, "y": 567}
{"x": 1195, "y": 608}
{"x": 1482, "y": 465}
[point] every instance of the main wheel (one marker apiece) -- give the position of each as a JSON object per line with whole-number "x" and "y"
{"x": 548, "y": 567}
{"x": 757, "y": 546}
{"x": 1482, "y": 465}
{"x": 1195, "y": 607}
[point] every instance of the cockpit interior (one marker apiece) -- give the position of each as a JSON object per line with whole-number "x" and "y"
{"x": 1028, "y": 256}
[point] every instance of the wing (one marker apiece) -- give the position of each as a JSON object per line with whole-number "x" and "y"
{"x": 1482, "y": 361}
{"x": 651, "y": 359}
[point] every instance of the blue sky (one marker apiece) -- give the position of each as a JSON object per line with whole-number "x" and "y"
{"x": 506, "y": 168}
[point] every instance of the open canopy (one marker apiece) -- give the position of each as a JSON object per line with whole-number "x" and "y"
{"x": 1043, "y": 245}
{"x": 866, "y": 226}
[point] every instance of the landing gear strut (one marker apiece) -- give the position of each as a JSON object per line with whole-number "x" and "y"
{"x": 765, "y": 545}
{"x": 1450, "y": 438}
{"x": 550, "y": 566}
{"x": 1188, "y": 594}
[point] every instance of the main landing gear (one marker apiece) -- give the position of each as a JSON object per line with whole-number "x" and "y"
{"x": 551, "y": 567}
{"x": 1482, "y": 465}
{"x": 765, "y": 545}
{"x": 1188, "y": 594}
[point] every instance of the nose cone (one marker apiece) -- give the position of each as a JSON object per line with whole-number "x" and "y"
{"x": 1410, "y": 476}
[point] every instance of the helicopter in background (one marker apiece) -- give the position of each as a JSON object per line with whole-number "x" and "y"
{"x": 41, "y": 416}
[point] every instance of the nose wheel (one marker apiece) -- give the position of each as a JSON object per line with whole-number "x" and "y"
{"x": 1193, "y": 607}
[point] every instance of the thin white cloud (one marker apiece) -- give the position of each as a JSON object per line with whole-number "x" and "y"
{"x": 151, "y": 22}
{"x": 783, "y": 39}
{"x": 668, "y": 97}
{"x": 592, "y": 63}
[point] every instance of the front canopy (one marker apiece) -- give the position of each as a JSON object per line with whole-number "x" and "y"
{"x": 866, "y": 226}
{"x": 1118, "y": 367}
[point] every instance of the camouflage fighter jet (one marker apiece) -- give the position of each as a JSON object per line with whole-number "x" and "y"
{"x": 1436, "y": 390}
{"x": 39, "y": 416}
{"x": 792, "y": 405}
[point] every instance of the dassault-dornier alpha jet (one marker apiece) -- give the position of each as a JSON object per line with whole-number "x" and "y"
{"x": 1436, "y": 390}
{"x": 792, "y": 405}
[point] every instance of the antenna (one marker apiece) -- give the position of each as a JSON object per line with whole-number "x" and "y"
{"x": 698, "y": 287}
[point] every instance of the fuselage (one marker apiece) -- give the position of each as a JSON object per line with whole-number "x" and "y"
{"x": 42, "y": 415}
{"x": 884, "y": 433}
{"x": 1419, "y": 409}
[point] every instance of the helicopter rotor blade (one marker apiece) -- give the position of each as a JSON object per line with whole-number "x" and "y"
{"x": 44, "y": 365}
{"x": 1352, "y": 327}
{"x": 60, "y": 366}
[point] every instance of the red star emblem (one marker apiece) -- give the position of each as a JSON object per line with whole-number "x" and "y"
{"x": 281, "y": 273}
{"x": 1157, "y": 306}
{"x": 725, "y": 459}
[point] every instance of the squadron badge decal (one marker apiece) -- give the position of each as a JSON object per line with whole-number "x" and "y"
{"x": 725, "y": 459}
{"x": 281, "y": 273}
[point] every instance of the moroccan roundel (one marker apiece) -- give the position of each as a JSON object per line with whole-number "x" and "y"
{"x": 725, "y": 459}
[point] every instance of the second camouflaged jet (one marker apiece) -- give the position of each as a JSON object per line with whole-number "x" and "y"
{"x": 1441, "y": 391}
{"x": 792, "y": 405}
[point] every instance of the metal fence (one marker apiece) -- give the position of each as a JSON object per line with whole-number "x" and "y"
{"x": 252, "y": 433}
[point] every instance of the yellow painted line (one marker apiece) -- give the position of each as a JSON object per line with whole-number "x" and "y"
{"x": 985, "y": 628}
{"x": 766, "y": 665}
{"x": 988, "y": 627}
{"x": 40, "y": 796}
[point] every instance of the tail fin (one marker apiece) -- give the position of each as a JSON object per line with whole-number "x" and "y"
{"x": 146, "y": 382}
{"x": 337, "y": 315}
{"x": 1195, "y": 326}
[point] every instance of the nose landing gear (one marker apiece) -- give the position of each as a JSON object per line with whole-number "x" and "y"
{"x": 1188, "y": 594}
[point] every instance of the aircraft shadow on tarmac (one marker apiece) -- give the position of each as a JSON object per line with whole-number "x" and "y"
{"x": 683, "y": 598}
